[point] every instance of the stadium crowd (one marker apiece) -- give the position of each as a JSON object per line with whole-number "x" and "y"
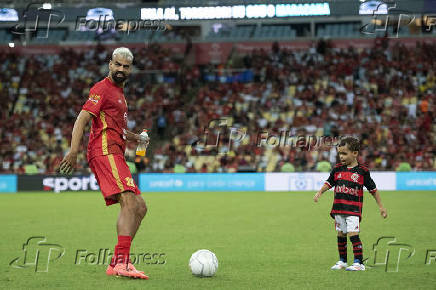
{"x": 386, "y": 97}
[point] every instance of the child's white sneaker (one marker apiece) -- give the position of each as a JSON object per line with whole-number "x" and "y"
{"x": 339, "y": 265}
{"x": 356, "y": 267}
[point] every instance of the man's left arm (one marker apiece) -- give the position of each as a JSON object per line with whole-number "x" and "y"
{"x": 377, "y": 198}
{"x": 370, "y": 185}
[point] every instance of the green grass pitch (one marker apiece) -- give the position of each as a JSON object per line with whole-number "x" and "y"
{"x": 263, "y": 240}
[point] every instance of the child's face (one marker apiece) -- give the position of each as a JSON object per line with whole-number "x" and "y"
{"x": 346, "y": 155}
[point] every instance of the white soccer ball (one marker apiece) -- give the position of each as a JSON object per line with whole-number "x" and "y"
{"x": 203, "y": 263}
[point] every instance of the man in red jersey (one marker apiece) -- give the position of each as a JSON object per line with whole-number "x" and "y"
{"x": 107, "y": 108}
{"x": 348, "y": 178}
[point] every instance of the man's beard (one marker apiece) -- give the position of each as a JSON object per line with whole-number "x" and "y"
{"x": 119, "y": 77}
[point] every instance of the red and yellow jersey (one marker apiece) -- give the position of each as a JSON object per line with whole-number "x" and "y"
{"x": 107, "y": 104}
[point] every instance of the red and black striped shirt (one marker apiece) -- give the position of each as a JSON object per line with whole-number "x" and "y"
{"x": 348, "y": 184}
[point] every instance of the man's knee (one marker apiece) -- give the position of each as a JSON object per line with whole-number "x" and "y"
{"x": 133, "y": 202}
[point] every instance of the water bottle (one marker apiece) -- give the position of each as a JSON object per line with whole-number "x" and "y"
{"x": 142, "y": 148}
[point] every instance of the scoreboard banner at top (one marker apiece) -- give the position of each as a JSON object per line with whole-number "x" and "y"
{"x": 236, "y": 11}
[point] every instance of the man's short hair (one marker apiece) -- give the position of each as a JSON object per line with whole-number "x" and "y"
{"x": 352, "y": 142}
{"x": 124, "y": 52}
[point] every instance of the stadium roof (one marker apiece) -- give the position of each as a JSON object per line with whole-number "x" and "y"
{"x": 338, "y": 7}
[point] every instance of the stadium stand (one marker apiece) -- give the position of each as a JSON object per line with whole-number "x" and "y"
{"x": 324, "y": 92}
{"x": 338, "y": 30}
{"x": 254, "y": 32}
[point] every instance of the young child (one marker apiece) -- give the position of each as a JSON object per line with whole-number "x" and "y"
{"x": 348, "y": 178}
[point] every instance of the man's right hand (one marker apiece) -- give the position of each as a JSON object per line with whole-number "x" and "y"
{"x": 383, "y": 212}
{"x": 68, "y": 163}
{"x": 317, "y": 196}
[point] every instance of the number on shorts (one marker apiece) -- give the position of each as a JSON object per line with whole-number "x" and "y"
{"x": 129, "y": 181}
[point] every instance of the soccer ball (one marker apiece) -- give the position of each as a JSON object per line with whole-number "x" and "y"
{"x": 203, "y": 263}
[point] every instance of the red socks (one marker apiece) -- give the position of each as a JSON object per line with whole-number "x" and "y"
{"x": 122, "y": 251}
{"x": 342, "y": 247}
{"x": 357, "y": 249}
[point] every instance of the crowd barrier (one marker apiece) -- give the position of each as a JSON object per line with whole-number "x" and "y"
{"x": 416, "y": 180}
{"x": 155, "y": 182}
{"x": 8, "y": 183}
{"x": 202, "y": 182}
{"x": 313, "y": 181}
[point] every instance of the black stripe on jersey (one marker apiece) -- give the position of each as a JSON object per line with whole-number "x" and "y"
{"x": 346, "y": 196}
{"x": 364, "y": 167}
{"x": 346, "y": 207}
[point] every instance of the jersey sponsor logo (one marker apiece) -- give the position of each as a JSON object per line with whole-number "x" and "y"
{"x": 355, "y": 177}
{"x": 94, "y": 98}
{"x": 347, "y": 190}
{"x": 349, "y": 176}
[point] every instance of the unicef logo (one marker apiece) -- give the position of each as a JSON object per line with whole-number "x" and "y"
{"x": 178, "y": 183}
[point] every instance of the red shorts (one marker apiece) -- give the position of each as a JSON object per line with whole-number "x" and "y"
{"x": 113, "y": 176}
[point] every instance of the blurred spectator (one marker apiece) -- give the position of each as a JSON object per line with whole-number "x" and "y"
{"x": 323, "y": 166}
{"x": 287, "y": 167}
{"x": 161, "y": 125}
{"x": 179, "y": 168}
{"x": 403, "y": 167}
